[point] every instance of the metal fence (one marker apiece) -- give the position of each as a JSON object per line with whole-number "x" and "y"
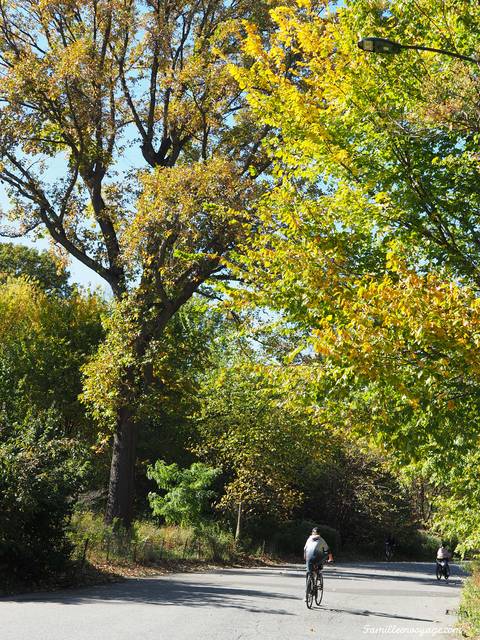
{"x": 118, "y": 548}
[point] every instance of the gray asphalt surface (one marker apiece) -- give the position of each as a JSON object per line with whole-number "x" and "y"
{"x": 379, "y": 600}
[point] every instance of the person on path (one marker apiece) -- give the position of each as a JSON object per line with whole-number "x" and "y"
{"x": 443, "y": 553}
{"x": 316, "y": 550}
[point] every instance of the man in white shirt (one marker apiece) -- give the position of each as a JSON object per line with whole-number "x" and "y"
{"x": 443, "y": 553}
{"x": 315, "y": 550}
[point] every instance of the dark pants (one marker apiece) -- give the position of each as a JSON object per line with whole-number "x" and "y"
{"x": 314, "y": 559}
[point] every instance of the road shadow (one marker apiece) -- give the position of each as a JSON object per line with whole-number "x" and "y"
{"x": 292, "y": 570}
{"x": 419, "y": 573}
{"x": 166, "y": 592}
{"x": 409, "y": 572}
{"x": 179, "y": 591}
{"x": 377, "y": 614}
{"x": 406, "y": 566}
{"x": 426, "y": 580}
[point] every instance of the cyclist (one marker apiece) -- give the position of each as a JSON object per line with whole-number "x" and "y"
{"x": 315, "y": 550}
{"x": 389, "y": 546}
{"x": 443, "y": 553}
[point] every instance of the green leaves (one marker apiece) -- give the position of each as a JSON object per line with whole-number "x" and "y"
{"x": 187, "y": 492}
{"x": 16, "y": 260}
{"x": 41, "y": 473}
{"x": 45, "y": 340}
{"x": 247, "y": 425}
{"x": 370, "y": 235}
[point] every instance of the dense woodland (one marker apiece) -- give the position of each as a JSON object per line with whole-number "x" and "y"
{"x": 226, "y": 409}
{"x": 288, "y": 227}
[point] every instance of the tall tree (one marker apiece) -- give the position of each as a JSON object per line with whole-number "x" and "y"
{"x": 373, "y": 226}
{"x": 125, "y": 138}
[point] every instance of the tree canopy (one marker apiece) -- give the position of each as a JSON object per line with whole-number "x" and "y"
{"x": 19, "y": 260}
{"x": 372, "y": 230}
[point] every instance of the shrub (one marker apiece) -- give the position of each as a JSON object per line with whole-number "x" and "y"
{"x": 87, "y": 525}
{"x": 216, "y": 543}
{"x": 103, "y": 540}
{"x": 187, "y": 492}
{"x": 419, "y": 545}
{"x": 204, "y": 542}
{"x": 40, "y": 475}
{"x": 146, "y": 542}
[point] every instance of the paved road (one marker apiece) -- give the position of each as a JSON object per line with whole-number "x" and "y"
{"x": 378, "y": 600}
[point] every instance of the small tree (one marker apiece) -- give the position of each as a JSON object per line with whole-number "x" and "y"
{"x": 45, "y": 339}
{"x": 249, "y": 426}
{"x": 187, "y": 492}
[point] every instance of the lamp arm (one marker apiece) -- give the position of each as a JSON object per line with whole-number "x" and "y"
{"x": 452, "y": 54}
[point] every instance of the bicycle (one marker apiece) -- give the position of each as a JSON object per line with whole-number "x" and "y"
{"x": 442, "y": 569}
{"x": 314, "y": 586}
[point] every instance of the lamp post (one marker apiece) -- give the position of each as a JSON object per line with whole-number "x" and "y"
{"x": 382, "y": 45}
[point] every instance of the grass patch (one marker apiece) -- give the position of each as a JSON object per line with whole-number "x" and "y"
{"x": 469, "y": 610}
{"x": 147, "y": 544}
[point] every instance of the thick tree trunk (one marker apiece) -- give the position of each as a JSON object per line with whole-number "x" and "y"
{"x": 121, "y": 490}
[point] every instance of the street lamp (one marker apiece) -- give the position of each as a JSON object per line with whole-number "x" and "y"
{"x": 382, "y": 45}
{"x": 379, "y": 45}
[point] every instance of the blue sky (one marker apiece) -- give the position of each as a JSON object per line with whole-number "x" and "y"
{"x": 129, "y": 159}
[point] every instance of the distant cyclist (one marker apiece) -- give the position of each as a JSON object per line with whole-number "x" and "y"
{"x": 316, "y": 550}
{"x": 389, "y": 546}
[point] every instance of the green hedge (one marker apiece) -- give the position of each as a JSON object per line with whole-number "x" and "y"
{"x": 419, "y": 545}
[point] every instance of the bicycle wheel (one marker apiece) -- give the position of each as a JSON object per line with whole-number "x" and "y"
{"x": 439, "y": 572}
{"x": 309, "y": 590}
{"x": 319, "y": 589}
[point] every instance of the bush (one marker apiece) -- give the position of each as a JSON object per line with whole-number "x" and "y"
{"x": 420, "y": 545}
{"x": 187, "y": 492}
{"x": 40, "y": 476}
{"x": 102, "y": 539}
{"x": 469, "y": 610}
{"x": 291, "y": 536}
{"x": 218, "y": 544}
